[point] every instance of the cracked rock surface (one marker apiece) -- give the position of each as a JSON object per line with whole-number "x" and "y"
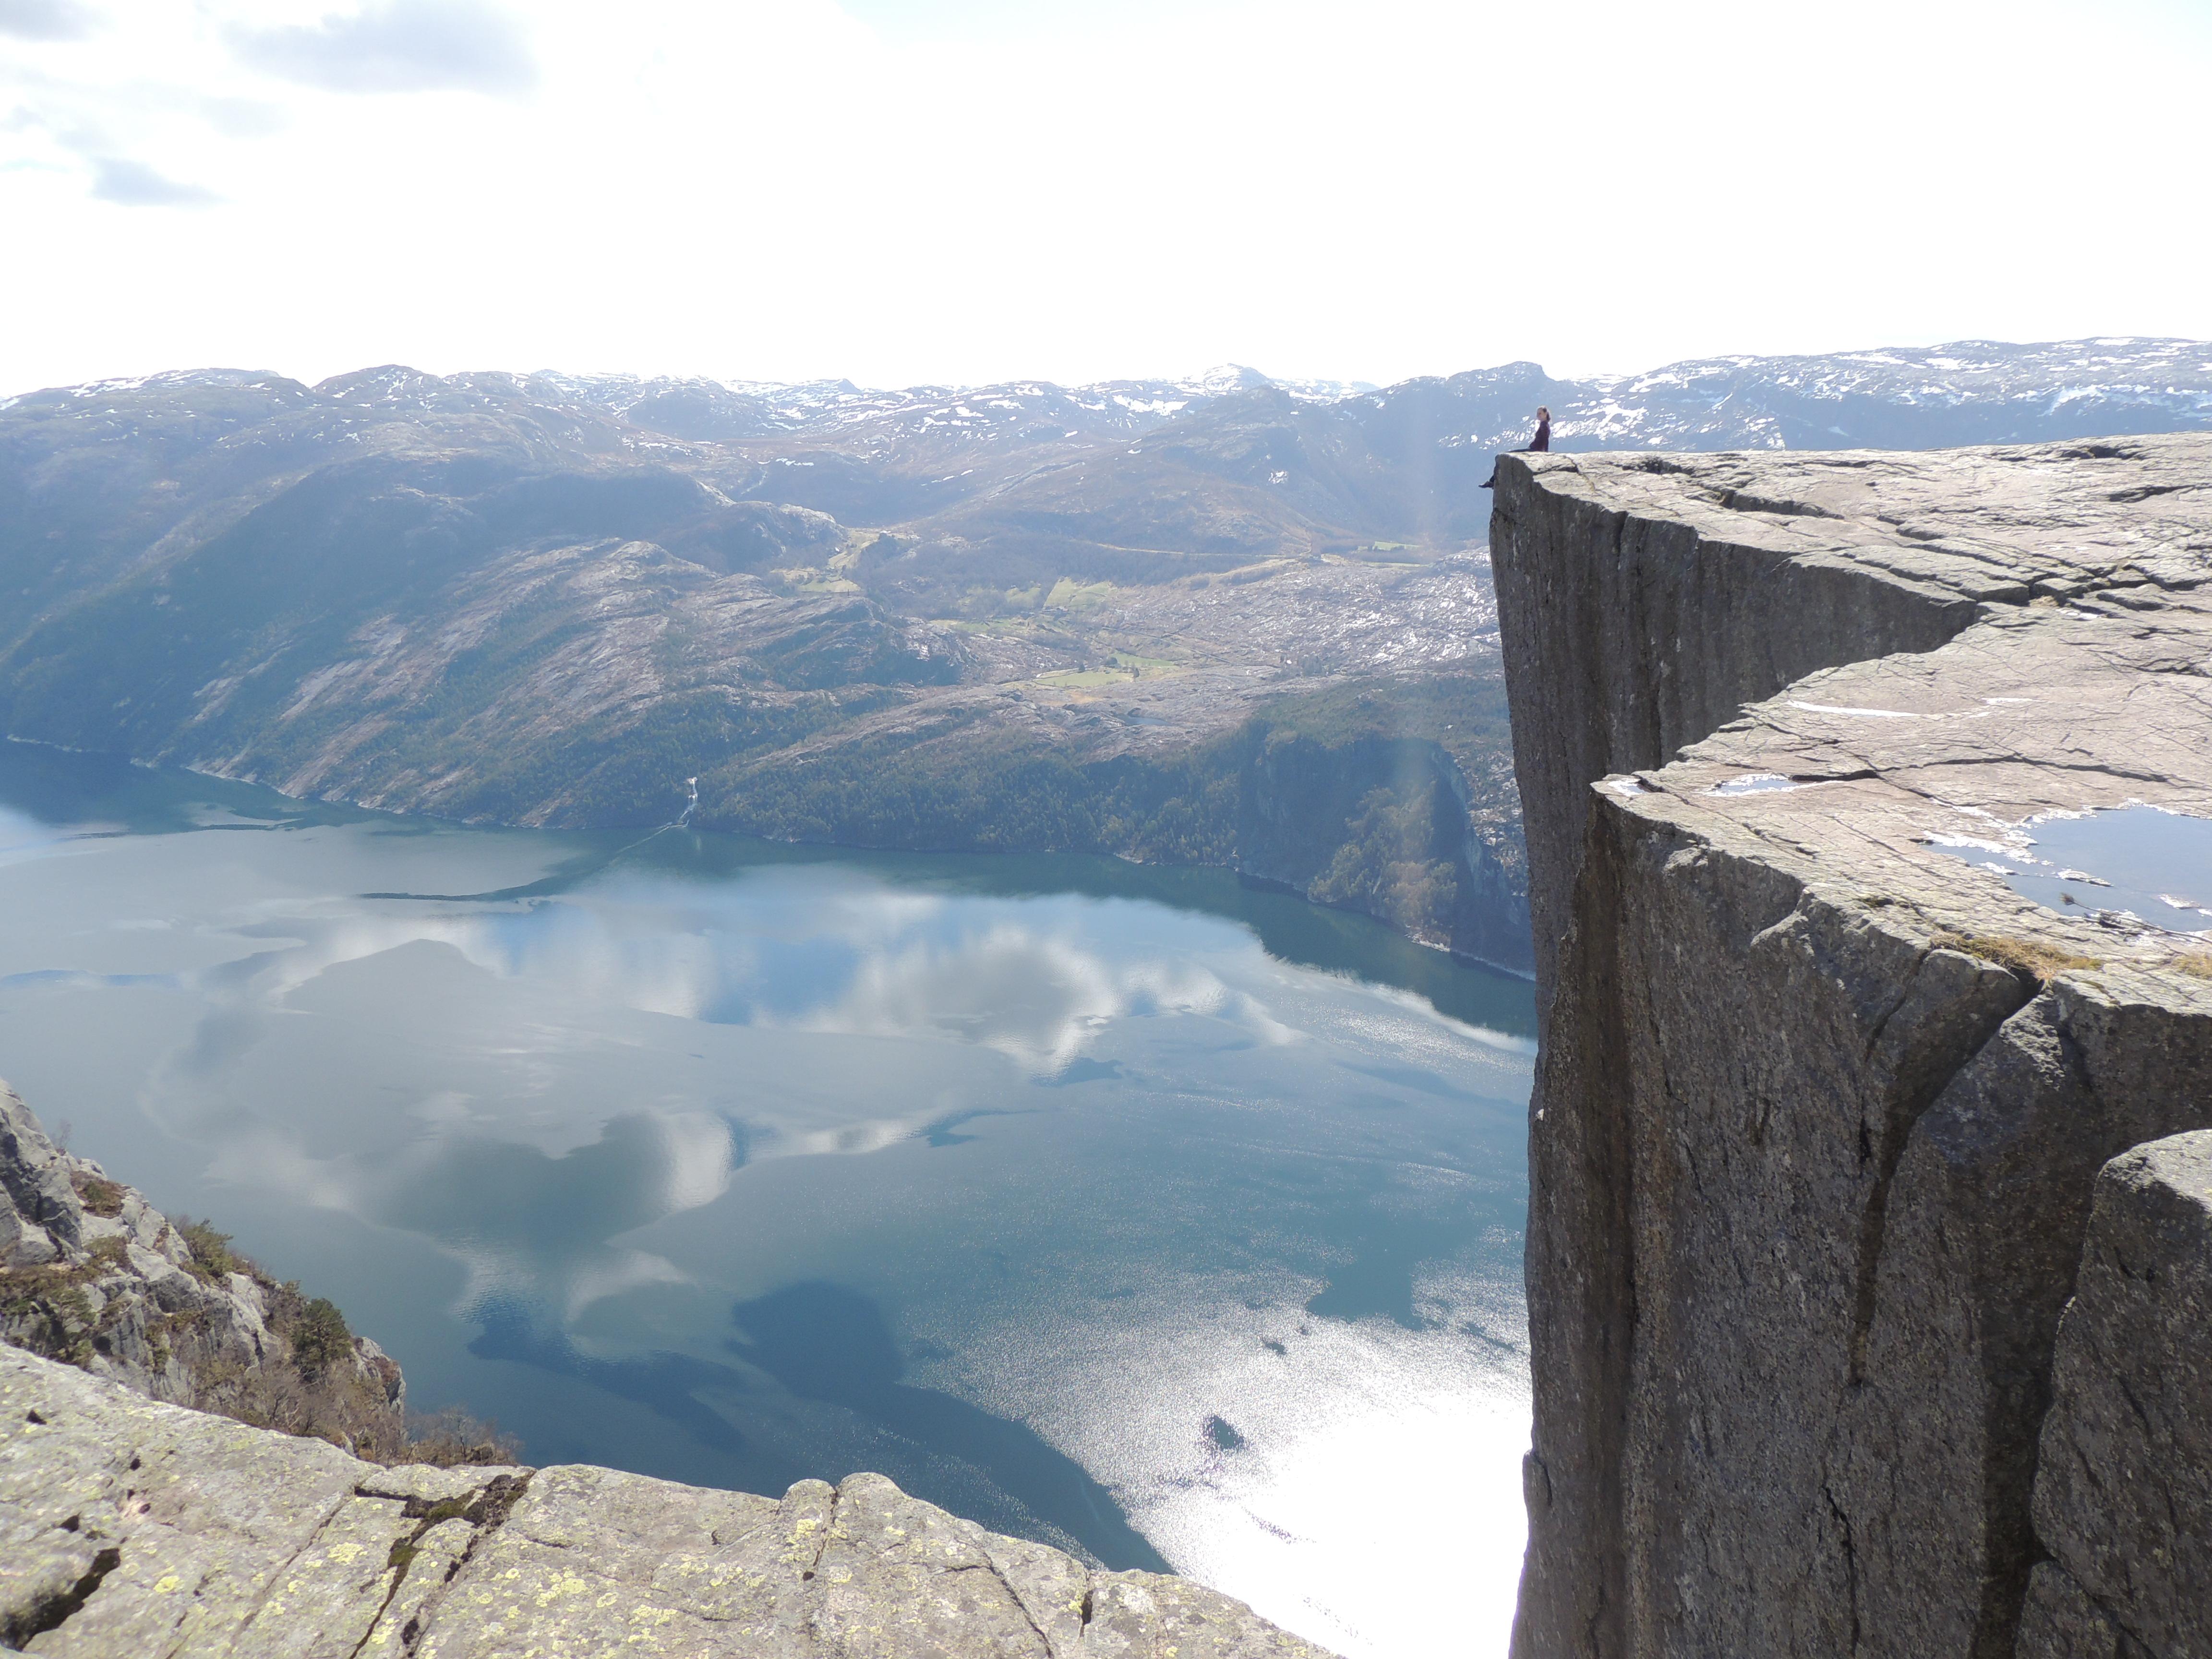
{"x": 131, "y": 1529}
{"x": 1821, "y": 1108}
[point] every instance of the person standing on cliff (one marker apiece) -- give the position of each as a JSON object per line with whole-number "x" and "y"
{"x": 1539, "y": 444}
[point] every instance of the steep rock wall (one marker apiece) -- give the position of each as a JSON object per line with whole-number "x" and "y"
{"x": 1819, "y": 1108}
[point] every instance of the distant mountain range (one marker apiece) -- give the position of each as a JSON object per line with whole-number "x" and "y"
{"x": 1969, "y": 392}
{"x": 1102, "y": 617}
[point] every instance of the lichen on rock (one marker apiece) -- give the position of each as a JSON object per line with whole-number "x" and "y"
{"x": 129, "y": 1527}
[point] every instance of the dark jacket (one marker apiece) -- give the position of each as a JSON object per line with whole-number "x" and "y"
{"x": 1542, "y": 441}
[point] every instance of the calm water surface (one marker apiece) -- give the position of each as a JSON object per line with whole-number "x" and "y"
{"x": 2153, "y": 865}
{"x": 1173, "y": 1223}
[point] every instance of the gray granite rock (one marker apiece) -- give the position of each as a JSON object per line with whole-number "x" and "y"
{"x": 40, "y": 1214}
{"x": 130, "y": 1528}
{"x": 1986, "y": 1222}
{"x": 1819, "y": 1107}
{"x": 2124, "y": 1489}
{"x": 2059, "y": 1621}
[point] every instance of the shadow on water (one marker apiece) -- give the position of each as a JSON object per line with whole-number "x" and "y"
{"x": 1377, "y": 1247}
{"x": 1377, "y": 1282}
{"x": 825, "y": 1342}
{"x": 828, "y": 1344}
{"x": 667, "y": 1384}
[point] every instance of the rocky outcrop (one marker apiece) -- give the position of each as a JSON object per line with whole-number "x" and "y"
{"x": 1821, "y": 1108}
{"x": 92, "y": 1274}
{"x": 130, "y": 1527}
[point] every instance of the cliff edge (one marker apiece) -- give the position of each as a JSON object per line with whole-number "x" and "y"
{"x": 130, "y": 1528}
{"x": 1824, "y": 1094}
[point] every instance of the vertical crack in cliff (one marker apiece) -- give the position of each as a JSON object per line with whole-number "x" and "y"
{"x": 1584, "y": 1296}
{"x": 2013, "y": 1424}
{"x": 52, "y": 1611}
{"x": 1920, "y": 1076}
{"x": 1850, "y": 1559}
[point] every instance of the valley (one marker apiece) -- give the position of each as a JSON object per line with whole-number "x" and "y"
{"x": 1222, "y": 620}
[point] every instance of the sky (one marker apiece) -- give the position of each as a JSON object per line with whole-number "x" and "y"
{"x": 958, "y": 192}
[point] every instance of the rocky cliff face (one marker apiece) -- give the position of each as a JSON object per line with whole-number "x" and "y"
{"x": 92, "y": 1274}
{"x": 1821, "y": 1107}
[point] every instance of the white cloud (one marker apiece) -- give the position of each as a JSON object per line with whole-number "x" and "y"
{"x": 133, "y": 183}
{"x": 396, "y": 46}
{"x": 1038, "y": 1000}
{"x": 954, "y": 190}
{"x": 46, "y": 20}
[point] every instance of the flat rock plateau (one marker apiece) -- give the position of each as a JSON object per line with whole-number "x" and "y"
{"x": 1868, "y": 1247}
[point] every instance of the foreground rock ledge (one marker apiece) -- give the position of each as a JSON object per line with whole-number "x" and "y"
{"x": 131, "y": 1529}
{"x": 1821, "y": 1109}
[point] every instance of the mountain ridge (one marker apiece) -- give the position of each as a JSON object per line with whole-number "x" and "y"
{"x": 553, "y": 598}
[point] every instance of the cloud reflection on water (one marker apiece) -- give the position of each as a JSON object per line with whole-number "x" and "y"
{"x": 536, "y": 1216}
{"x": 1036, "y": 999}
{"x": 1284, "y": 1199}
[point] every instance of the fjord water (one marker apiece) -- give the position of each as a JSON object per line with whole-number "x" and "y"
{"x": 1134, "y": 1209}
